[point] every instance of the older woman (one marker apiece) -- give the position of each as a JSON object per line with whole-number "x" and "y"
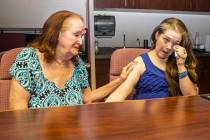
{"x": 50, "y": 73}
{"x": 169, "y": 69}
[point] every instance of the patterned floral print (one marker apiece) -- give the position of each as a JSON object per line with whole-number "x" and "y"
{"x": 44, "y": 93}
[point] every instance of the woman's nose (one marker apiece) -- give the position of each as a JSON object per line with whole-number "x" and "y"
{"x": 80, "y": 39}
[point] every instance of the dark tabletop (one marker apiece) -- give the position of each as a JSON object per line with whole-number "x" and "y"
{"x": 177, "y": 118}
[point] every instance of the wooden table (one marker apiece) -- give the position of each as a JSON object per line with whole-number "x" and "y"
{"x": 181, "y": 118}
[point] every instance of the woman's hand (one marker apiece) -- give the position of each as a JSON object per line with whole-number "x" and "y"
{"x": 180, "y": 54}
{"x": 102, "y": 92}
{"x": 126, "y": 70}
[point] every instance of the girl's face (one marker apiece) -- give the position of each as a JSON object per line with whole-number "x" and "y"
{"x": 71, "y": 36}
{"x": 165, "y": 42}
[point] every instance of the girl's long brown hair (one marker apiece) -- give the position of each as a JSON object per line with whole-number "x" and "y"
{"x": 191, "y": 62}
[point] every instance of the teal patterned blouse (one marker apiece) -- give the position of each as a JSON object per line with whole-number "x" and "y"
{"x": 44, "y": 93}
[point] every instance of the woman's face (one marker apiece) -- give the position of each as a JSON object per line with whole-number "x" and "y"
{"x": 165, "y": 42}
{"x": 71, "y": 36}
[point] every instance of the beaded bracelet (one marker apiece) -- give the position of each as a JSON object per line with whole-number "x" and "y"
{"x": 182, "y": 74}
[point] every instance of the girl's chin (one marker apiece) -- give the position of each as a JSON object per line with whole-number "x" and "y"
{"x": 164, "y": 56}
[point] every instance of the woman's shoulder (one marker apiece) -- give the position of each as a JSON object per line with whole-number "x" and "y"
{"x": 25, "y": 60}
{"x": 26, "y": 52}
{"x": 27, "y": 56}
{"x": 28, "y": 49}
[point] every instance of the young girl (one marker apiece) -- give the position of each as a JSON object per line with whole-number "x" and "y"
{"x": 169, "y": 69}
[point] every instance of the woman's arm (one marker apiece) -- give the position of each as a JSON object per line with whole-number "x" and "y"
{"x": 19, "y": 97}
{"x": 102, "y": 92}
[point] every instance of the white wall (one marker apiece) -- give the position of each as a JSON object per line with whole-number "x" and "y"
{"x": 33, "y": 13}
{"x": 141, "y": 24}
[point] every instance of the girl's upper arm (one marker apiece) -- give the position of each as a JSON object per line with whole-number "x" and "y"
{"x": 133, "y": 78}
{"x": 128, "y": 85}
{"x": 136, "y": 73}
